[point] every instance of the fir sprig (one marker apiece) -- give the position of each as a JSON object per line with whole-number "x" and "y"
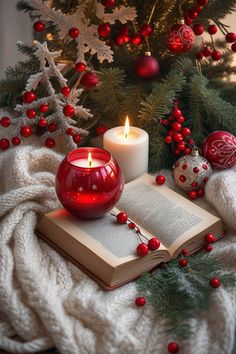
{"x": 179, "y": 294}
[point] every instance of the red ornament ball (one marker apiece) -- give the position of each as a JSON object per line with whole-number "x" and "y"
{"x": 80, "y": 67}
{"x": 15, "y": 140}
{"x": 50, "y": 143}
{"x": 198, "y": 29}
{"x": 233, "y": 47}
{"x": 122, "y": 218}
{"x": 212, "y": 29}
{"x": 4, "y": 144}
{"x": 230, "y": 37}
{"x": 68, "y": 110}
{"x": 146, "y": 67}
{"x": 31, "y": 113}
{"x": 136, "y": 39}
{"x": 153, "y": 244}
{"x": 65, "y": 91}
{"x": 70, "y": 131}
{"x": 192, "y": 195}
{"x": 180, "y": 38}
{"x": 160, "y": 179}
{"x": 43, "y": 108}
{"x": 140, "y": 301}
{"x": 42, "y": 122}
{"x": 220, "y": 149}
{"x": 5, "y": 122}
{"x": 76, "y": 138}
{"x": 183, "y": 262}
{"x": 101, "y": 129}
{"x": 208, "y": 248}
{"x": 73, "y": 32}
{"x": 52, "y": 127}
{"x": 216, "y": 55}
{"x": 142, "y": 249}
{"x": 29, "y": 97}
{"x": 207, "y": 52}
{"x": 210, "y": 238}
{"x": 146, "y": 30}
{"x": 39, "y": 26}
{"x": 89, "y": 80}
{"x": 215, "y": 282}
{"x": 108, "y": 3}
{"x": 25, "y": 131}
{"x": 173, "y": 347}
{"x": 104, "y": 29}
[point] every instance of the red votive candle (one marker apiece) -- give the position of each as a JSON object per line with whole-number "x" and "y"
{"x": 89, "y": 182}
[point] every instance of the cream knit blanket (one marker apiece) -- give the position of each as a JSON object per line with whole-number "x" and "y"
{"x": 45, "y": 301}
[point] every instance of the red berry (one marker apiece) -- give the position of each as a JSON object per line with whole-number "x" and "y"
{"x": 108, "y": 3}
{"x": 201, "y": 192}
{"x": 131, "y": 225}
{"x": 160, "y": 180}
{"x": 191, "y": 141}
{"x": 80, "y": 67}
{"x": 140, "y": 301}
{"x": 65, "y": 91}
{"x": 178, "y": 137}
{"x": 184, "y": 252}
{"x": 185, "y": 131}
{"x": 126, "y": 38}
{"x": 187, "y": 20}
{"x": 233, "y": 47}
{"x": 15, "y": 140}
{"x": 168, "y": 139}
{"x": 70, "y": 131}
{"x": 181, "y": 146}
{"x": 31, "y": 113}
{"x": 136, "y": 39}
{"x": 153, "y": 244}
{"x": 212, "y": 29}
{"x": 101, "y": 129}
{"x": 104, "y": 29}
{"x": 146, "y": 30}
{"x": 52, "y": 127}
{"x": 215, "y": 282}
{"x": 50, "y": 143}
{"x": 42, "y": 122}
{"x": 192, "y": 14}
{"x": 119, "y": 40}
{"x": 208, "y": 248}
{"x": 5, "y": 122}
{"x": 198, "y": 29}
{"x": 192, "y": 195}
{"x": 25, "y": 131}
{"x": 176, "y": 152}
{"x": 180, "y": 119}
{"x": 68, "y": 110}
{"x": 199, "y": 9}
{"x": 202, "y": 2}
{"x": 142, "y": 249}
{"x": 173, "y": 347}
{"x": 73, "y": 32}
{"x": 183, "y": 262}
{"x": 4, "y": 144}
{"x": 29, "y": 97}
{"x": 207, "y": 52}
{"x": 176, "y": 113}
{"x": 165, "y": 122}
{"x": 176, "y": 126}
{"x": 210, "y": 238}
{"x": 76, "y": 138}
{"x": 122, "y": 217}
{"x": 216, "y": 55}
{"x": 230, "y": 37}
{"x": 39, "y": 26}
{"x": 43, "y": 108}
{"x": 200, "y": 55}
{"x": 170, "y": 132}
{"x": 187, "y": 151}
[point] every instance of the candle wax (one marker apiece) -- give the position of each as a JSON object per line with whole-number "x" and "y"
{"x": 83, "y": 162}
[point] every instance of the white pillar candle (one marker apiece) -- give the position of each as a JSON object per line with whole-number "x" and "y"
{"x": 129, "y": 146}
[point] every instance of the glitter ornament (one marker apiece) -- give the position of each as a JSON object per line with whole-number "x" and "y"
{"x": 191, "y": 172}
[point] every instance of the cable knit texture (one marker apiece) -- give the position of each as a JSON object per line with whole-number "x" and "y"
{"x": 46, "y": 301}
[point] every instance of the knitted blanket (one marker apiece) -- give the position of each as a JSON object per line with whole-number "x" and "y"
{"x": 46, "y": 301}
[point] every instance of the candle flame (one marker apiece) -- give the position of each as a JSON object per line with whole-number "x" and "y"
{"x": 90, "y": 160}
{"x": 127, "y": 128}
{"x": 49, "y": 36}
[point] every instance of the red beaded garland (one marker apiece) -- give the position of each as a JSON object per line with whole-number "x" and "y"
{"x": 39, "y": 26}
{"x": 210, "y": 238}
{"x": 192, "y": 195}
{"x": 25, "y": 131}
{"x": 208, "y": 248}
{"x": 15, "y": 140}
{"x": 5, "y": 122}
{"x": 68, "y": 110}
{"x": 153, "y": 244}
{"x": 43, "y": 108}
{"x": 215, "y": 282}
{"x": 142, "y": 249}
{"x": 50, "y": 143}
{"x": 160, "y": 179}
{"x": 65, "y": 91}
{"x": 80, "y": 67}
{"x": 212, "y": 29}
{"x": 140, "y": 301}
{"x": 52, "y": 127}
{"x": 104, "y": 29}
{"x": 183, "y": 262}
{"x": 76, "y": 138}
{"x": 4, "y": 144}
{"x": 29, "y": 97}
{"x": 146, "y": 30}
{"x": 122, "y": 218}
{"x": 73, "y": 32}
{"x": 173, "y": 347}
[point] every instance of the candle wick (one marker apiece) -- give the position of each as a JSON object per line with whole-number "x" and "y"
{"x": 90, "y": 163}
{"x": 126, "y": 135}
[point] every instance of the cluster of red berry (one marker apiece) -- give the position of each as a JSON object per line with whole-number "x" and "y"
{"x": 193, "y": 13}
{"x": 176, "y": 134}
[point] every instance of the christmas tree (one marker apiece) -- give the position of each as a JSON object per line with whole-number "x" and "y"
{"x": 124, "y": 58}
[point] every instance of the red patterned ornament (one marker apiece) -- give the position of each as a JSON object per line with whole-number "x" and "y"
{"x": 220, "y": 149}
{"x": 146, "y": 67}
{"x": 180, "y": 38}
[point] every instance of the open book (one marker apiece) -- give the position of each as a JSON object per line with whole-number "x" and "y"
{"x": 107, "y": 250}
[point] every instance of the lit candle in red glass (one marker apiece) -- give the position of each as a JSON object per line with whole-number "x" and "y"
{"x": 89, "y": 182}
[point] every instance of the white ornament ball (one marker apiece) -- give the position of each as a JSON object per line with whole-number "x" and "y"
{"x": 191, "y": 172}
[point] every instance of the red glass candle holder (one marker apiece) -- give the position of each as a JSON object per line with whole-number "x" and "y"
{"x": 89, "y": 191}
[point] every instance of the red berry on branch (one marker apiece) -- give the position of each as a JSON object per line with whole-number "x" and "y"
{"x": 39, "y": 26}
{"x": 165, "y": 122}
{"x": 233, "y": 47}
{"x": 160, "y": 179}
{"x": 4, "y": 144}
{"x": 180, "y": 119}
{"x": 216, "y": 55}
{"x": 104, "y": 29}
{"x": 210, "y": 238}
{"x": 122, "y": 218}
{"x": 181, "y": 146}
{"x": 140, "y": 301}
{"x": 185, "y": 131}
{"x": 230, "y": 37}
{"x": 73, "y": 32}
{"x": 208, "y": 248}
{"x": 146, "y": 30}
{"x": 101, "y": 129}
{"x": 176, "y": 126}
{"x": 177, "y": 152}
{"x": 131, "y": 225}
{"x": 178, "y": 137}
{"x": 76, "y": 138}
{"x": 183, "y": 262}
{"x": 192, "y": 14}
{"x": 199, "y": 9}
{"x": 65, "y": 91}
{"x": 187, "y": 20}
{"x": 201, "y": 192}
{"x": 31, "y": 113}
{"x": 142, "y": 249}
{"x": 153, "y": 244}
{"x": 70, "y": 131}
{"x": 176, "y": 113}
{"x": 43, "y": 108}
{"x": 42, "y": 122}
{"x": 5, "y": 122}
{"x": 187, "y": 151}
{"x": 119, "y": 40}
{"x": 108, "y": 3}
{"x": 89, "y": 80}
{"x": 25, "y": 131}
{"x": 184, "y": 252}
{"x": 215, "y": 282}
{"x": 168, "y": 139}
{"x": 52, "y": 127}
{"x": 192, "y": 195}
{"x": 198, "y": 29}
{"x": 136, "y": 39}
{"x": 170, "y": 132}
{"x": 212, "y": 29}
{"x": 207, "y": 52}
{"x": 15, "y": 140}
{"x": 50, "y": 143}
{"x": 202, "y": 2}
{"x": 29, "y": 97}
{"x": 200, "y": 55}
{"x": 80, "y": 67}
{"x": 190, "y": 141}
{"x": 68, "y": 110}
{"x": 173, "y": 347}
{"x": 126, "y": 38}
